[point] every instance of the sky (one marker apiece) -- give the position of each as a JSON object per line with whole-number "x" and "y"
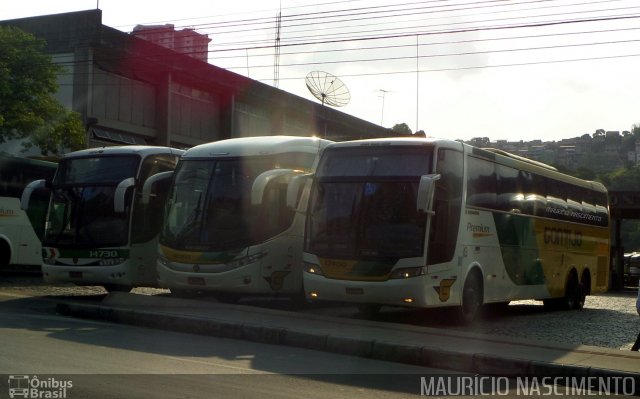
{"x": 504, "y": 69}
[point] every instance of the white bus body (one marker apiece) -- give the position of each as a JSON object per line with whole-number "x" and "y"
{"x": 98, "y": 231}
{"x": 232, "y": 225}
{"x": 21, "y": 231}
{"x": 437, "y": 223}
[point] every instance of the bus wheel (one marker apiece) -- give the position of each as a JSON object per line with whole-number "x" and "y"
{"x": 580, "y": 297}
{"x": 472, "y": 299}
{"x": 117, "y": 288}
{"x": 183, "y": 293}
{"x": 572, "y": 294}
{"x": 228, "y": 297}
{"x": 496, "y": 309}
{"x": 5, "y": 255}
{"x": 585, "y": 289}
{"x": 368, "y": 310}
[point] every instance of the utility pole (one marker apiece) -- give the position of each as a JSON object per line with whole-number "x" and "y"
{"x": 382, "y": 113}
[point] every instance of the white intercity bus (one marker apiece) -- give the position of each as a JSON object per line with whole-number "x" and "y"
{"x": 20, "y": 231}
{"x": 98, "y": 231}
{"x": 232, "y": 225}
{"x": 436, "y": 223}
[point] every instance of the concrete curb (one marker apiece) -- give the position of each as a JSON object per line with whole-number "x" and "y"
{"x": 477, "y": 363}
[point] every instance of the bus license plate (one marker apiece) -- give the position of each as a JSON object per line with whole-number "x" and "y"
{"x": 355, "y": 291}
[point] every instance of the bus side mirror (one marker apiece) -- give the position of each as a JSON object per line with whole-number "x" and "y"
{"x": 146, "y": 188}
{"x": 121, "y": 191}
{"x": 260, "y": 183}
{"x": 294, "y": 188}
{"x": 426, "y": 189}
{"x": 28, "y": 190}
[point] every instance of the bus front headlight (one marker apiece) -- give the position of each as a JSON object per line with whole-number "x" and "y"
{"x": 407, "y": 272}
{"x": 312, "y": 269}
{"x": 247, "y": 259}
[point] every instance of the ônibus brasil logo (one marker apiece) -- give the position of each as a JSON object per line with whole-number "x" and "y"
{"x": 23, "y": 386}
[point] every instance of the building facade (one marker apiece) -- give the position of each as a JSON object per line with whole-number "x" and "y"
{"x": 133, "y": 91}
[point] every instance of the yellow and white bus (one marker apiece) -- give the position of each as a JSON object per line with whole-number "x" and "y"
{"x": 98, "y": 231}
{"x": 231, "y": 225}
{"x": 437, "y": 223}
{"x": 20, "y": 231}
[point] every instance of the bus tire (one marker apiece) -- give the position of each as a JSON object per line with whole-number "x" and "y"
{"x": 227, "y": 297}
{"x": 580, "y": 297}
{"x": 472, "y": 299}
{"x": 183, "y": 293}
{"x": 572, "y": 293}
{"x": 5, "y": 255}
{"x": 496, "y": 309}
{"x": 585, "y": 289}
{"x": 117, "y": 288}
{"x": 368, "y": 310}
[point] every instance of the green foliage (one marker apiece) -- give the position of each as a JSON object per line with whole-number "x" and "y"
{"x": 28, "y": 81}
{"x": 401, "y": 129}
{"x": 64, "y": 133}
{"x": 623, "y": 179}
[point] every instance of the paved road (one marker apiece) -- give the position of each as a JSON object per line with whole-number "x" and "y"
{"x": 104, "y": 360}
{"x": 349, "y": 335}
{"x": 608, "y": 320}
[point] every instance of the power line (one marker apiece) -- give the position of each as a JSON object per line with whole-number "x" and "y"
{"x": 564, "y": 46}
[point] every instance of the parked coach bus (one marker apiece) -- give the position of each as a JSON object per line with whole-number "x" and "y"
{"x": 437, "y": 223}
{"x": 20, "y": 231}
{"x": 98, "y": 232}
{"x": 230, "y": 228}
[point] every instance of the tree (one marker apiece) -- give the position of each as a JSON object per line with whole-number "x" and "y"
{"x": 401, "y": 129}
{"x": 27, "y": 86}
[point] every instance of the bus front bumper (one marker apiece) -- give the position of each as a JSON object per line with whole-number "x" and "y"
{"x": 419, "y": 291}
{"x": 88, "y": 275}
{"x": 247, "y": 279}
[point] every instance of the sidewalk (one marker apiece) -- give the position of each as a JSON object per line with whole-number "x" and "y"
{"x": 430, "y": 347}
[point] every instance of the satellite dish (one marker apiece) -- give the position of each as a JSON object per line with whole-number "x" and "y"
{"x": 327, "y": 88}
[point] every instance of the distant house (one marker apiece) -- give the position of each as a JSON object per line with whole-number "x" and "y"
{"x": 185, "y": 41}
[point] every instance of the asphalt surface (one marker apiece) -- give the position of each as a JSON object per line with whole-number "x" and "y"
{"x": 509, "y": 345}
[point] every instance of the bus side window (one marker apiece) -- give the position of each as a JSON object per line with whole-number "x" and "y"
{"x": 509, "y": 195}
{"x": 147, "y": 219}
{"x": 274, "y": 213}
{"x": 447, "y": 206}
{"x": 481, "y": 186}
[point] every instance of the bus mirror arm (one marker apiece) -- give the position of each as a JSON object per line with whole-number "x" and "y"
{"x": 146, "y": 188}
{"x": 28, "y": 190}
{"x": 426, "y": 189}
{"x": 294, "y": 188}
{"x": 121, "y": 191}
{"x": 260, "y": 183}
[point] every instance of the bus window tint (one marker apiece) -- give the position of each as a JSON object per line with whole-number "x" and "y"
{"x": 273, "y": 216}
{"x": 383, "y": 161}
{"x": 481, "y": 186}
{"x": 107, "y": 170}
{"x": 146, "y": 220}
{"x": 447, "y": 203}
{"x": 508, "y": 189}
{"x": 392, "y": 227}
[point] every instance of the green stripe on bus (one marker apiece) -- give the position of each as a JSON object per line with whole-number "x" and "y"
{"x": 520, "y": 252}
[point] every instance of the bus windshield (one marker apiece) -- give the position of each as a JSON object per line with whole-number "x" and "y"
{"x": 210, "y": 205}
{"x": 363, "y": 203}
{"x": 81, "y": 212}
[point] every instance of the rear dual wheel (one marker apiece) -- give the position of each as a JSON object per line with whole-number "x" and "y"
{"x": 574, "y": 296}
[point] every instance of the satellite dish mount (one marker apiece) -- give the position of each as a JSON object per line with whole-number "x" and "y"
{"x": 327, "y": 88}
